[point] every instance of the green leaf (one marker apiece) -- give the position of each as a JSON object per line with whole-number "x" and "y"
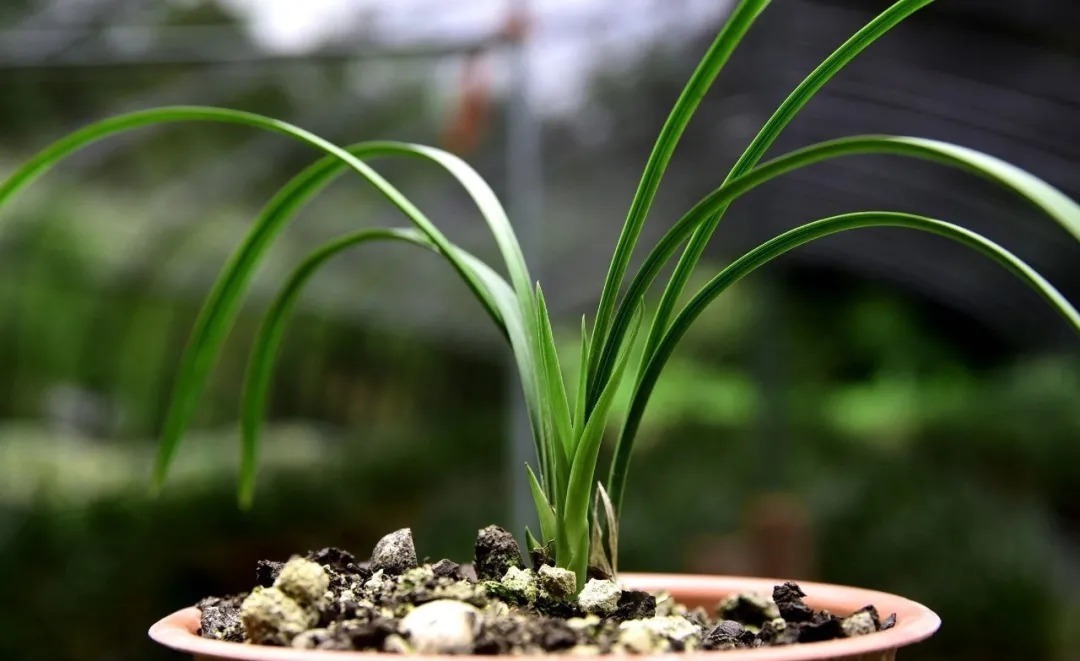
{"x": 544, "y": 510}
{"x": 579, "y": 557}
{"x": 527, "y": 345}
{"x": 555, "y": 409}
{"x": 264, "y": 350}
{"x": 1041, "y": 194}
{"x": 780, "y": 245}
{"x": 583, "y": 468}
{"x": 554, "y": 388}
{"x": 583, "y": 378}
{"x": 736, "y": 26}
{"x": 268, "y": 340}
{"x": 221, "y": 306}
{"x": 765, "y": 137}
{"x": 531, "y": 541}
{"x": 787, "y": 111}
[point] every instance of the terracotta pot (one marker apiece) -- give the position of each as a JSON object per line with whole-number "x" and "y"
{"x": 915, "y": 622}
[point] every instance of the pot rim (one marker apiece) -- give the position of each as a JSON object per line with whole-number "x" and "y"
{"x": 915, "y": 622}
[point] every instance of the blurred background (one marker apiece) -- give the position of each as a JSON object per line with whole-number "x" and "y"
{"x": 879, "y": 408}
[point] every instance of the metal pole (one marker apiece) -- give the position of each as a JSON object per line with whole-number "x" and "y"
{"x": 524, "y": 190}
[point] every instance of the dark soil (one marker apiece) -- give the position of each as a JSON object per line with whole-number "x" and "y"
{"x": 328, "y": 600}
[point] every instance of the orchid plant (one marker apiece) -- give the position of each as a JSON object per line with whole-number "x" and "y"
{"x": 578, "y": 516}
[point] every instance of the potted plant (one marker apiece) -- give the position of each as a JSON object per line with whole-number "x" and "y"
{"x": 571, "y": 600}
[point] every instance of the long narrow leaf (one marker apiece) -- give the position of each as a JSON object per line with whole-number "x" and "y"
{"x": 556, "y": 408}
{"x": 583, "y": 468}
{"x": 530, "y": 540}
{"x": 1053, "y": 202}
{"x": 612, "y": 520}
{"x": 556, "y": 392}
{"x": 220, "y": 308}
{"x": 543, "y": 508}
{"x": 761, "y": 143}
{"x": 583, "y": 378}
{"x": 773, "y": 249}
{"x": 606, "y": 558}
{"x": 736, "y": 26}
{"x": 528, "y": 353}
{"x": 597, "y": 554}
{"x": 267, "y": 342}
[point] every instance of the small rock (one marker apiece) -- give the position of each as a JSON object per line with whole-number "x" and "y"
{"x": 335, "y": 641}
{"x": 778, "y": 632}
{"x": 666, "y": 605}
{"x": 728, "y": 628}
{"x": 334, "y": 558}
{"x": 700, "y": 617}
{"x": 271, "y": 617}
{"x": 788, "y": 598}
{"x": 468, "y": 572}
{"x": 562, "y": 608}
{"x": 600, "y": 597}
{"x": 872, "y": 612}
{"x": 748, "y": 608}
{"x": 266, "y": 572}
{"x": 680, "y": 631}
{"x": 470, "y": 593}
{"x": 220, "y": 619}
{"x": 395, "y": 644}
{"x": 889, "y": 622}
{"x": 822, "y": 626}
{"x": 377, "y": 582}
{"x": 311, "y": 639}
{"x": 441, "y": 627}
{"x": 637, "y": 638}
{"x": 416, "y": 578}
{"x": 859, "y": 623}
{"x": 496, "y": 551}
{"x": 583, "y": 624}
{"x": 557, "y": 636}
{"x": 725, "y": 635}
{"x": 521, "y": 584}
{"x": 499, "y": 635}
{"x": 447, "y": 569}
{"x": 345, "y": 607}
{"x": 773, "y": 631}
{"x": 395, "y": 553}
{"x": 366, "y": 633}
{"x": 556, "y": 581}
{"x": 636, "y": 605}
{"x": 303, "y": 580}
{"x": 502, "y": 636}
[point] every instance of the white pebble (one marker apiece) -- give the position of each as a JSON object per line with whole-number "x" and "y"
{"x": 600, "y": 597}
{"x": 443, "y": 626}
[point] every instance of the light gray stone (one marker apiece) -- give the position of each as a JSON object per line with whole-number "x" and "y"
{"x": 443, "y": 626}
{"x": 395, "y": 553}
{"x": 600, "y": 597}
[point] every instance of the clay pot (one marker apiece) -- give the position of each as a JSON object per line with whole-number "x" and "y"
{"x": 914, "y": 622}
